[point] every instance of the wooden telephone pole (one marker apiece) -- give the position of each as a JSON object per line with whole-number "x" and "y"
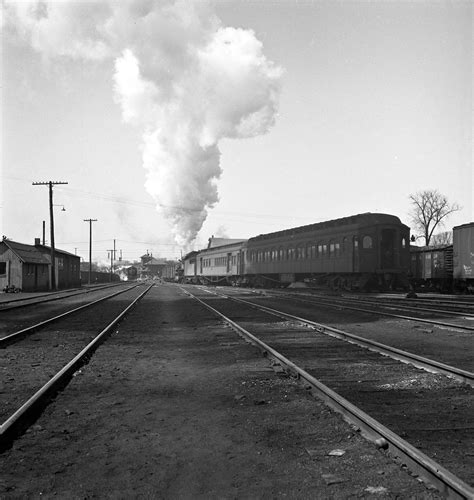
{"x": 90, "y": 221}
{"x": 51, "y": 218}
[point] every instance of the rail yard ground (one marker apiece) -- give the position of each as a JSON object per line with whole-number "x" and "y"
{"x": 176, "y": 405}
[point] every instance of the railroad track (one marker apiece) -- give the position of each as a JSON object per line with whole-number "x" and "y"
{"x": 448, "y": 345}
{"x": 460, "y": 308}
{"x": 408, "y": 409}
{"x": 25, "y": 301}
{"x": 54, "y": 356}
{"x": 15, "y": 336}
{"x": 383, "y": 309}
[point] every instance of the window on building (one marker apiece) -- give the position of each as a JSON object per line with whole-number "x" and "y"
{"x": 281, "y": 253}
{"x": 3, "y": 268}
{"x": 404, "y": 243}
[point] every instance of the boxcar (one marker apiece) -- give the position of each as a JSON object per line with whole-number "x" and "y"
{"x": 432, "y": 267}
{"x": 463, "y": 257}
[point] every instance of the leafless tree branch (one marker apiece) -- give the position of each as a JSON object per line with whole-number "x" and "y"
{"x": 429, "y": 209}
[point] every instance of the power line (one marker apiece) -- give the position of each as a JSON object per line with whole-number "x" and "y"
{"x": 216, "y": 211}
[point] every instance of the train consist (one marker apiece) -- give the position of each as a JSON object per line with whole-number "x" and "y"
{"x": 361, "y": 252}
{"x": 446, "y": 268}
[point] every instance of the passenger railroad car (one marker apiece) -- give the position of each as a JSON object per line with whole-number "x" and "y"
{"x": 221, "y": 263}
{"x": 359, "y": 252}
{"x": 363, "y": 251}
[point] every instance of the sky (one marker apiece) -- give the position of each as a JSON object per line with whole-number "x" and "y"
{"x": 175, "y": 121}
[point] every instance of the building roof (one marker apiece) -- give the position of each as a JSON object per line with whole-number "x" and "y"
{"x": 45, "y": 248}
{"x": 27, "y": 253}
{"x": 34, "y": 254}
{"x": 155, "y": 262}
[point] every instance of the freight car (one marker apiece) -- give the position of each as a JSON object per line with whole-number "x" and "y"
{"x": 445, "y": 268}
{"x": 171, "y": 271}
{"x": 365, "y": 251}
{"x": 463, "y": 258}
{"x": 431, "y": 268}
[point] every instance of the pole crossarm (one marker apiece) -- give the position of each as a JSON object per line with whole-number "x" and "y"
{"x": 47, "y": 183}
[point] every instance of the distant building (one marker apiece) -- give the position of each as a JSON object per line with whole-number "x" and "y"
{"x": 28, "y": 267}
{"x": 151, "y": 267}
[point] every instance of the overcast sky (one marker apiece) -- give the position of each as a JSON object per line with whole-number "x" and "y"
{"x": 235, "y": 118}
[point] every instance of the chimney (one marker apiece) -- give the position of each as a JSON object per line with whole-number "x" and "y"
{"x": 37, "y": 242}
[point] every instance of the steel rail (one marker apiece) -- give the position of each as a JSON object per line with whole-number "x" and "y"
{"x": 18, "y": 421}
{"x": 48, "y": 298}
{"x": 15, "y": 336}
{"x": 402, "y": 307}
{"x": 382, "y": 313}
{"x": 429, "y": 470}
{"x": 457, "y": 300}
{"x": 386, "y": 350}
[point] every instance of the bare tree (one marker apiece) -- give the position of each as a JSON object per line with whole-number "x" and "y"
{"x": 444, "y": 238}
{"x": 429, "y": 208}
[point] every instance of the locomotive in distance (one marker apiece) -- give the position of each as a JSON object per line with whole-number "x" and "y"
{"x": 361, "y": 252}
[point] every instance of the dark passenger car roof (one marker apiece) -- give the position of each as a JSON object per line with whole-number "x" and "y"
{"x": 366, "y": 219}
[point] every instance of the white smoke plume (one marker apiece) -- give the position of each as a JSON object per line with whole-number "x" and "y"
{"x": 180, "y": 75}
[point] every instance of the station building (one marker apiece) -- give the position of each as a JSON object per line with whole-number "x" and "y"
{"x": 28, "y": 267}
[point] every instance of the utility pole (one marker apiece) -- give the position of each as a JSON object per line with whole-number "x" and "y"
{"x": 90, "y": 221}
{"x": 112, "y": 255}
{"x": 113, "y": 258}
{"x": 51, "y": 218}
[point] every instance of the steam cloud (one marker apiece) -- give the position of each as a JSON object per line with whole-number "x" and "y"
{"x": 180, "y": 75}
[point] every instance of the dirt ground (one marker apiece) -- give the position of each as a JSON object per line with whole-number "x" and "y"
{"x": 176, "y": 406}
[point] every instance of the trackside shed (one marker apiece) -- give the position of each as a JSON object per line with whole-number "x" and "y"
{"x": 28, "y": 267}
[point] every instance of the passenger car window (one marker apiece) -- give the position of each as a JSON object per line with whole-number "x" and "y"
{"x": 367, "y": 242}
